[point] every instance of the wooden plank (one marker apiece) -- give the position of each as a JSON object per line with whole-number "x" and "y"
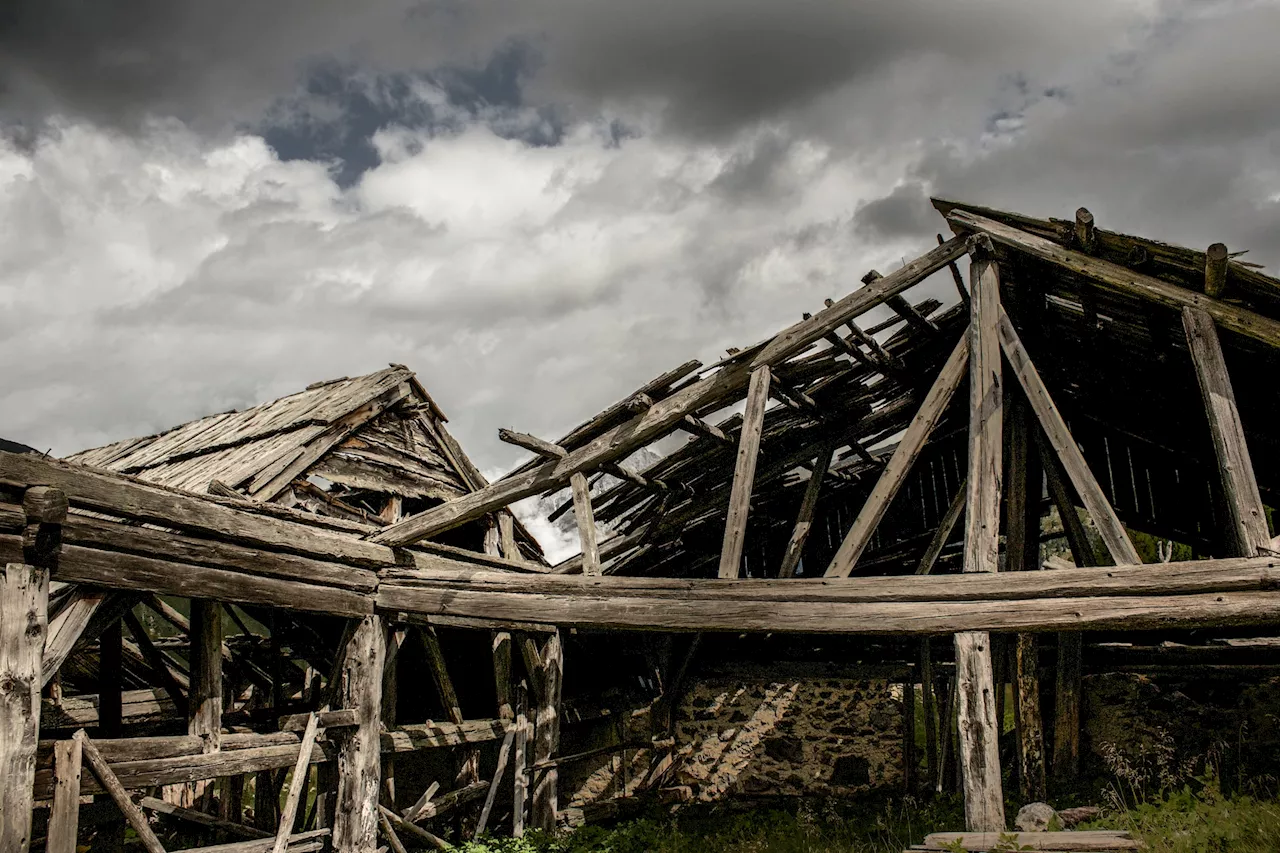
{"x": 66, "y": 628}
{"x": 1233, "y": 318}
{"x": 404, "y": 826}
{"x": 1059, "y": 437}
{"x": 359, "y": 757}
{"x": 908, "y": 450}
{"x": 109, "y": 781}
{"x": 64, "y": 817}
{"x": 520, "y": 758}
{"x": 206, "y": 695}
{"x": 943, "y": 533}
{"x": 979, "y": 729}
{"x": 1248, "y": 531}
{"x": 200, "y": 818}
{"x": 389, "y": 833}
{"x": 24, "y": 623}
{"x": 303, "y": 842}
{"x": 297, "y": 783}
{"x": 744, "y": 473}
{"x": 667, "y": 414}
{"x": 429, "y": 808}
{"x": 545, "y": 807}
{"x": 586, "y": 523}
{"x": 804, "y": 518}
{"x": 1093, "y": 840}
{"x": 504, "y": 753}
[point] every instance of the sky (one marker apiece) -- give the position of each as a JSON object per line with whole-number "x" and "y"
{"x": 538, "y": 205}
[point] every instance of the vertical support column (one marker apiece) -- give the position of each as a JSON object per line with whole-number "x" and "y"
{"x": 547, "y": 736}
{"x": 979, "y": 756}
{"x": 1022, "y": 553}
{"x": 744, "y": 474}
{"x": 24, "y": 622}
{"x": 1239, "y": 484}
{"x": 64, "y": 817}
{"x": 928, "y": 706}
{"x": 520, "y": 788}
{"x": 390, "y": 700}
{"x": 586, "y": 520}
{"x": 204, "y": 701}
{"x": 355, "y": 825}
{"x": 909, "y": 759}
{"x": 804, "y": 518}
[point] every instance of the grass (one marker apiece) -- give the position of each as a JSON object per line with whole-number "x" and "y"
{"x": 1198, "y": 818}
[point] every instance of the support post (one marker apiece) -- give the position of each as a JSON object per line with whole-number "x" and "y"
{"x": 204, "y": 699}
{"x": 1215, "y": 270}
{"x": 744, "y": 474}
{"x": 1022, "y": 553}
{"x": 24, "y": 622}
{"x": 975, "y": 695}
{"x": 64, "y": 817}
{"x": 1235, "y": 468}
{"x": 909, "y": 759}
{"x": 547, "y": 736}
{"x": 520, "y": 786}
{"x": 928, "y": 706}
{"x": 355, "y": 825}
{"x": 586, "y": 520}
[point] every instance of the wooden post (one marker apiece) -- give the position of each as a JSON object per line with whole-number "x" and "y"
{"x": 1086, "y": 236}
{"x": 744, "y": 474}
{"x": 979, "y": 755}
{"x": 928, "y": 706}
{"x": 468, "y": 757}
{"x": 547, "y": 736}
{"x": 64, "y": 817}
{"x": 1022, "y": 553}
{"x": 502, "y": 674}
{"x": 804, "y": 518}
{"x": 1235, "y": 468}
{"x": 390, "y": 701}
{"x": 1215, "y": 270}
{"x": 520, "y": 787}
{"x": 131, "y": 812}
{"x": 895, "y": 473}
{"x": 355, "y": 825}
{"x": 586, "y": 523}
{"x": 204, "y": 700}
{"x": 297, "y": 784}
{"x": 24, "y": 622}
{"x": 909, "y": 759}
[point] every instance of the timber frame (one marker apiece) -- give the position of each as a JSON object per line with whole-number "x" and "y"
{"x": 830, "y": 506}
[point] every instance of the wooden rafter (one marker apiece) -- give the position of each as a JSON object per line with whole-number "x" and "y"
{"x": 895, "y": 473}
{"x": 735, "y": 530}
{"x": 804, "y": 518}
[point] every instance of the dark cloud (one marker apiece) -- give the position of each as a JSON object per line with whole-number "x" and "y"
{"x": 905, "y": 212}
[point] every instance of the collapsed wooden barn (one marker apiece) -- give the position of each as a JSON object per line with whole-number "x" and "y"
{"x": 860, "y": 496}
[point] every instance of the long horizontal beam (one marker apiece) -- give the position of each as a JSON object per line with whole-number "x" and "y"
{"x": 666, "y": 415}
{"x": 1231, "y": 317}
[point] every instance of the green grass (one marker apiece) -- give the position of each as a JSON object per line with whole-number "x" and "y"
{"x": 1198, "y": 818}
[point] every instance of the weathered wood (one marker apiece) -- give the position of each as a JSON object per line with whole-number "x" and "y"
{"x": 327, "y": 720}
{"x": 1059, "y": 437}
{"x": 389, "y": 832}
{"x": 204, "y": 704}
{"x": 804, "y": 518}
{"x": 507, "y": 537}
{"x": 164, "y": 675}
{"x": 200, "y": 818}
{"x": 1086, "y": 236}
{"x": 1233, "y": 318}
{"x": 1066, "y": 714}
{"x": 586, "y": 523}
{"x": 1215, "y": 270}
{"x": 446, "y": 803}
{"x": 978, "y": 726}
{"x": 1079, "y": 842}
{"x": 297, "y": 784}
{"x": 520, "y": 769}
{"x": 66, "y": 628}
{"x": 1248, "y": 531}
{"x": 929, "y": 708}
{"x": 744, "y": 473}
{"x": 411, "y": 813}
{"x": 904, "y": 456}
{"x": 940, "y": 536}
{"x": 502, "y": 674}
{"x": 547, "y": 736}
{"x": 909, "y": 759}
{"x": 303, "y": 842}
{"x": 468, "y": 760}
{"x": 1031, "y": 771}
{"x": 532, "y": 443}
{"x": 956, "y": 277}
{"x": 109, "y": 781}
{"x": 24, "y": 622}
{"x": 359, "y": 756}
{"x": 667, "y": 414}
{"x": 64, "y": 817}
{"x": 504, "y": 753}
{"x": 404, "y": 826}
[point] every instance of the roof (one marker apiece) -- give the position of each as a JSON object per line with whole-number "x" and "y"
{"x": 260, "y": 450}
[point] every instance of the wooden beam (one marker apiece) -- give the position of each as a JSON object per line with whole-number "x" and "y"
{"x": 1232, "y": 318}
{"x": 355, "y": 824}
{"x": 200, "y": 818}
{"x": 297, "y": 784}
{"x": 504, "y": 753}
{"x": 1215, "y": 270}
{"x": 929, "y": 707}
{"x": 979, "y": 750}
{"x": 956, "y": 277}
{"x": 667, "y": 414}
{"x": 1248, "y": 531}
{"x": 532, "y": 443}
{"x": 586, "y": 521}
{"x": 744, "y": 473}
{"x": 109, "y": 781}
{"x": 67, "y": 627}
{"x": 904, "y": 456}
{"x": 943, "y": 533}
{"x": 804, "y": 518}
{"x": 24, "y": 622}
{"x": 545, "y": 807}
{"x": 64, "y": 817}
{"x": 1059, "y": 437}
